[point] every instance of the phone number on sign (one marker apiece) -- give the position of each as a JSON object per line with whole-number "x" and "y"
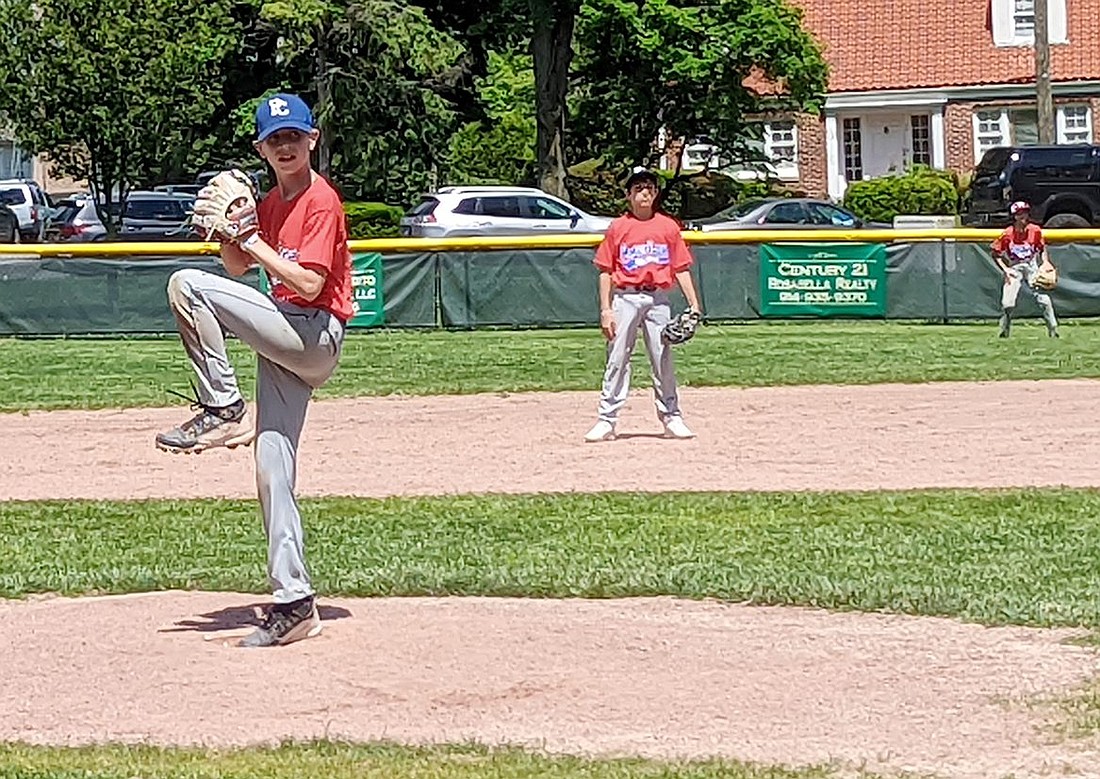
{"x": 824, "y": 297}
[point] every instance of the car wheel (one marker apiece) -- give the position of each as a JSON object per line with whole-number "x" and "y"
{"x": 1066, "y": 221}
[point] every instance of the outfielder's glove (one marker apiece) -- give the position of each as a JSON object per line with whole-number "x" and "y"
{"x": 1046, "y": 278}
{"x": 226, "y": 208}
{"x": 681, "y": 328}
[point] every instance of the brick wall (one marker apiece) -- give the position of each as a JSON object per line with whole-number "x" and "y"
{"x": 958, "y": 130}
{"x": 959, "y": 127}
{"x": 813, "y": 167}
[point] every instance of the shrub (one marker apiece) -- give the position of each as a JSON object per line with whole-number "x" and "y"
{"x": 372, "y": 220}
{"x": 598, "y": 189}
{"x": 921, "y": 190}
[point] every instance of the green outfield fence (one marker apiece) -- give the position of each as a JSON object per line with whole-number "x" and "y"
{"x": 935, "y": 275}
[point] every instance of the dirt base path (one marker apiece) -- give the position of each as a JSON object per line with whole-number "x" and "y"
{"x": 655, "y": 677}
{"x": 796, "y": 438}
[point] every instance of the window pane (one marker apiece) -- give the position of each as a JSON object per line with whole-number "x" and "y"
{"x": 786, "y": 213}
{"x": 541, "y": 208}
{"x": 853, "y": 150}
{"x": 922, "y": 139}
{"x": 1025, "y": 126}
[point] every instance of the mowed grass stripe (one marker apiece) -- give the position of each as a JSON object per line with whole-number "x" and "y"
{"x": 1028, "y": 557}
{"x": 131, "y": 372}
{"x": 317, "y": 760}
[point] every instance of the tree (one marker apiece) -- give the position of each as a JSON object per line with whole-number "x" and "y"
{"x": 552, "y": 23}
{"x": 500, "y": 148}
{"x": 112, "y": 89}
{"x": 690, "y": 69}
{"x": 372, "y": 67}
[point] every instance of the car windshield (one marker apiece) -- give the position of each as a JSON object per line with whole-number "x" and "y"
{"x": 993, "y": 162}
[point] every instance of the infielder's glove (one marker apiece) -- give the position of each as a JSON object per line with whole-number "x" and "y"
{"x": 1046, "y": 278}
{"x": 682, "y": 328}
{"x": 226, "y": 208}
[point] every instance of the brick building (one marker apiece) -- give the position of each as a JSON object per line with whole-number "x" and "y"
{"x": 939, "y": 82}
{"x": 935, "y": 82}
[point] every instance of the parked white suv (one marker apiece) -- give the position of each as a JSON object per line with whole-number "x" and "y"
{"x": 487, "y": 210}
{"x": 28, "y": 201}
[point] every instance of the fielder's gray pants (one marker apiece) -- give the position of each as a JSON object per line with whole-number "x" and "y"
{"x": 1022, "y": 276}
{"x": 649, "y": 311}
{"x": 297, "y": 350}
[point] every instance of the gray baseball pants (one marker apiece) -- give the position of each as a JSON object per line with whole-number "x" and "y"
{"x": 297, "y": 350}
{"x": 636, "y": 309}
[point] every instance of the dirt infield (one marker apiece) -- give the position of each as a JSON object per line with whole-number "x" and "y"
{"x": 797, "y": 438}
{"x": 657, "y": 677}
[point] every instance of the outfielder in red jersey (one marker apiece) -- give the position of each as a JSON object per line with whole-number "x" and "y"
{"x": 642, "y": 256}
{"x": 299, "y": 239}
{"x": 1020, "y": 251}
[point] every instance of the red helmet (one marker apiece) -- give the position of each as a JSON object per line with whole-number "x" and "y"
{"x": 1019, "y": 206}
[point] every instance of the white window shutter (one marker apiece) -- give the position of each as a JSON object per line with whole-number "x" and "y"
{"x": 1057, "y": 21}
{"x": 1003, "y": 31}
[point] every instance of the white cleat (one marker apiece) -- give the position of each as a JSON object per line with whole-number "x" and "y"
{"x": 675, "y": 428}
{"x": 601, "y": 431}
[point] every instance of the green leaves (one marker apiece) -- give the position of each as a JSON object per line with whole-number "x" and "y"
{"x": 115, "y": 87}
{"x": 688, "y": 67}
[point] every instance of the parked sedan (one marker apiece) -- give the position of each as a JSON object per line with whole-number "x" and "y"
{"x": 783, "y": 214}
{"x": 148, "y": 216}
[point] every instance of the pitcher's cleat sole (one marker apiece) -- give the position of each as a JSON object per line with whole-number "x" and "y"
{"x": 200, "y": 448}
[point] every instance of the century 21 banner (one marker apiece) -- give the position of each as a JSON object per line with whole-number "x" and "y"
{"x": 818, "y": 280}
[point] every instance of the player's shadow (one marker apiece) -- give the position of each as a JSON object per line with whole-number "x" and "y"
{"x": 237, "y": 617}
{"x": 639, "y": 435}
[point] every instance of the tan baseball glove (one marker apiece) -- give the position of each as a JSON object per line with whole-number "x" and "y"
{"x": 1046, "y": 278}
{"x": 225, "y": 208}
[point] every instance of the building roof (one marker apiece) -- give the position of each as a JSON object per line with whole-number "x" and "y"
{"x": 904, "y": 44}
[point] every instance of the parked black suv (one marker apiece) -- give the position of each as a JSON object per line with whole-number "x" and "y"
{"x": 1062, "y": 184}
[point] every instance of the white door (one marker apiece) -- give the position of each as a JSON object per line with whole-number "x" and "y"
{"x": 885, "y": 144}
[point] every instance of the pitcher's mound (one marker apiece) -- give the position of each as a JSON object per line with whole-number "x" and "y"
{"x": 652, "y": 677}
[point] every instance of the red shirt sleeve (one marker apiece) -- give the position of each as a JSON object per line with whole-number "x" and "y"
{"x": 1037, "y": 239}
{"x": 608, "y": 249}
{"x": 1000, "y": 243}
{"x": 320, "y": 230}
{"x": 679, "y": 254}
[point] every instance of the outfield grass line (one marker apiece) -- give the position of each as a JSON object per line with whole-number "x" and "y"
{"x": 1024, "y": 557}
{"x": 138, "y": 372}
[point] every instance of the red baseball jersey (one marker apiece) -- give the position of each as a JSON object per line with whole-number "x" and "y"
{"x": 311, "y": 230}
{"x": 642, "y": 252}
{"x": 1020, "y": 246}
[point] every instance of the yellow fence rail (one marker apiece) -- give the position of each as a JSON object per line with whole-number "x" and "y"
{"x": 563, "y": 241}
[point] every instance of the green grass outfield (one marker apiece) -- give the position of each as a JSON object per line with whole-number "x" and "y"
{"x": 380, "y": 761}
{"x": 1027, "y": 557}
{"x": 127, "y": 372}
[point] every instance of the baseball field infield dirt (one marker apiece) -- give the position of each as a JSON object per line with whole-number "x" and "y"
{"x": 654, "y": 677}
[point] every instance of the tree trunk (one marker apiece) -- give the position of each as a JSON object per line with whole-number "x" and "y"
{"x": 552, "y": 54}
{"x": 1043, "y": 97}
{"x": 322, "y": 109}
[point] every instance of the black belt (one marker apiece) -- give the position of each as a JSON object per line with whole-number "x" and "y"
{"x": 641, "y": 288}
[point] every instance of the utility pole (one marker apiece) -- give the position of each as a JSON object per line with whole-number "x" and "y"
{"x": 1042, "y": 73}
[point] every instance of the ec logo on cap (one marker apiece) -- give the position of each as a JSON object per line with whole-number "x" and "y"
{"x": 278, "y": 107}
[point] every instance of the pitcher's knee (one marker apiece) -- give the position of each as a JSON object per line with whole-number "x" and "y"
{"x": 181, "y": 286}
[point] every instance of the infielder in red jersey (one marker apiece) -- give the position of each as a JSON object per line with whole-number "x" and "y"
{"x": 641, "y": 257}
{"x": 1020, "y": 251}
{"x": 300, "y": 239}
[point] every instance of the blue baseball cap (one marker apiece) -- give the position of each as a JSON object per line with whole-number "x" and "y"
{"x": 282, "y": 112}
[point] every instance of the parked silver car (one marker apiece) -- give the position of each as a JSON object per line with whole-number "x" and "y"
{"x": 147, "y": 216}
{"x": 489, "y": 210}
{"x": 784, "y": 214}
